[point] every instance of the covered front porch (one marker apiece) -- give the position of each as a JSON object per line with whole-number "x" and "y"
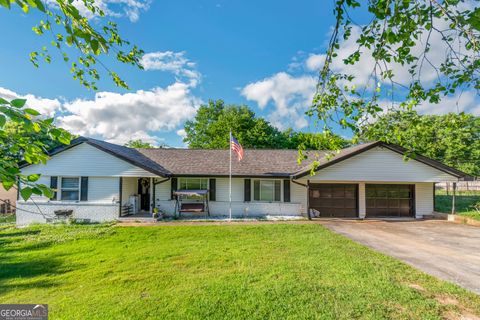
{"x": 145, "y": 198}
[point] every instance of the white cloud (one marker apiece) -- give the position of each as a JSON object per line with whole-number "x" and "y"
{"x": 467, "y": 102}
{"x": 290, "y": 95}
{"x": 174, "y": 62}
{"x": 45, "y": 106}
{"x": 182, "y": 133}
{"x": 315, "y": 62}
{"x": 113, "y": 8}
{"x": 119, "y": 117}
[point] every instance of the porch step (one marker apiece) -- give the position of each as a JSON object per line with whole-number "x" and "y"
{"x": 136, "y": 219}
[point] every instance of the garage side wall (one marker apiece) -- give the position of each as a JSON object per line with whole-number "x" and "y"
{"x": 423, "y": 199}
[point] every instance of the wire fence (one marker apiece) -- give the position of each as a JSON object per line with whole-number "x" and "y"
{"x": 462, "y": 186}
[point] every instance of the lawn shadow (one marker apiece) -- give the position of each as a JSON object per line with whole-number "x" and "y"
{"x": 27, "y": 271}
{"x": 19, "y": 233}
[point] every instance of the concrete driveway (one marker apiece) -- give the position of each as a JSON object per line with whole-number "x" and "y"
{"x": 443, "y": 249}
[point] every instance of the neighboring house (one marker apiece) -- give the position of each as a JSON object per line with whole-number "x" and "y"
{"x": 96, "y": 179}
{"x": 7, "y": 200}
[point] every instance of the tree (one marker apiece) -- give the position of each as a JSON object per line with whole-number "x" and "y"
{"x": 419, "y": 50}
{"x": 212, "y": 124}
{"x": 453, "y": 139}
{"x": 66, "y": 28}
{"x": 313, "y": 141}
{"x": 138, "y": 144}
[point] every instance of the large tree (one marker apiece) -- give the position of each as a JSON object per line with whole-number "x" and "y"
{"x": 453, "y": 139}
{"x": 212, "y": 124}
{"x": 396, "y": 54}
{"x": 66, "y": 29}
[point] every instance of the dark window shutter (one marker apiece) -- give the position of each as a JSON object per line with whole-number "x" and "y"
{"x": 286, "y": 190}
{"x": 174, "y": 187}
{"x": 247, "y": 190}
{"x": 84, "y": 189}
{"x": 213, "y": 190}
{"x": 256, "y": 190}
{"x": 278, "y": 187}
{"x": 54, "y": 186}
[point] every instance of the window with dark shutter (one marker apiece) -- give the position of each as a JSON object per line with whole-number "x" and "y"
{"x": 173, "y": 188}
{"x": 277, "y": 192}
{"x": 213, "y": 189}
{"x": 256, "y": 190}
{"x": 84, "y": 189}
{"x": 286, "y": 190}
{"x": 247, "y": 190}
{"x": 54, "y": 186}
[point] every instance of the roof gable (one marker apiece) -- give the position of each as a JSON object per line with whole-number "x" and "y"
{"x": 348, "y": 153}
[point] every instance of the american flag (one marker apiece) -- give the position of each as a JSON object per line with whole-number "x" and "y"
{"x": 237, "y": 147}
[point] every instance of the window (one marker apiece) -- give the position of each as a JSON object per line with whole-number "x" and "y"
{"x": 70, "y": 189}
{"x": 193, "y": 184}
{"x": 266, "y": 190}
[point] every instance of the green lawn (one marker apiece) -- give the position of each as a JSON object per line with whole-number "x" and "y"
{"x": 7, "y": 218}
{"x": 264, "y": 271}
{"x": 464, "y": 202}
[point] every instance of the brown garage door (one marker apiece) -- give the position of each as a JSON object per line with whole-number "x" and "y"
{"x": 390, "y": 200}
{"x": 334, "y": 200}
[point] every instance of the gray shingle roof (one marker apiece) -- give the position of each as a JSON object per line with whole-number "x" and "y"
{"x": 256, "y": 162}
{"x": 200, "y": 162}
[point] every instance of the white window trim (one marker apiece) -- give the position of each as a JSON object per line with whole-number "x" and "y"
{"x": 185, "y": 179}
{"x": 264, "y": 201}
{"x": 61, "y": 189}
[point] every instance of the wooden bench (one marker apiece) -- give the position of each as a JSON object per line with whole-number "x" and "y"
{"x": 192, "y": 207}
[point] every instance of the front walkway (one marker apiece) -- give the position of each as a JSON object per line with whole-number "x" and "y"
{"x": 443, "y": 249}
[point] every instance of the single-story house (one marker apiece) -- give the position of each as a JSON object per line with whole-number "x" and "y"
{"x": 100, "y": 181}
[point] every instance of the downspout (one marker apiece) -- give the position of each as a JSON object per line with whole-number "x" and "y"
{"x": 308, "y": 195}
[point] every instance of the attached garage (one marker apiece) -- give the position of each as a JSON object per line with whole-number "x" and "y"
{"x": 390, "y": 200}
{"x": 334, "y": 200}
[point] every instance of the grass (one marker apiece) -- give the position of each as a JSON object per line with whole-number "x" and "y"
{"x": 7, "y": 218}
{"x": 464, "y": 202}
{"x": 274, "y": 271}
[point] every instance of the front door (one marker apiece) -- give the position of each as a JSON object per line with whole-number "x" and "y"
{"x": 144, "y": 193}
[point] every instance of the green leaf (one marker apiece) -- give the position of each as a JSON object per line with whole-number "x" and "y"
{"x": 18, "y": 103}
{"x": 5, "y": 3}
{"x": 33, "y": 177}
{"x": 31, "y": 111}
{"x": 3, "y": 120}
{"x": 40, "y": 5}
{"x": 26, "y": 192}
{"x": 7, "y": 184}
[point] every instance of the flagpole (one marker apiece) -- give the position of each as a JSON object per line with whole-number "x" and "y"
{"x": 230, "y": 180}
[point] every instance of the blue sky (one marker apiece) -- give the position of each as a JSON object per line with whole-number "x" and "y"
{"x": 262, "y": 53}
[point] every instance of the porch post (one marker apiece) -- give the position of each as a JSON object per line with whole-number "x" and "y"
{"x": 151, "y": 195}
{"x": 120, "y": 191}
{"x": 362, "y": 202}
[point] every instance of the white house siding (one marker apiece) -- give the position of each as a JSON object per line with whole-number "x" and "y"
{"x": 423, "y": 199}
{"x": 86, "y": 160}
{"x": 241, "y": 209}
{"x": 29, "y": 212}
{"x": 380, "y": 164}
{"x": 298, "y": 194}
{"x": 102, "y": 204}
{"x": 220, "y": 207}
{"x": 129, "y": 187}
